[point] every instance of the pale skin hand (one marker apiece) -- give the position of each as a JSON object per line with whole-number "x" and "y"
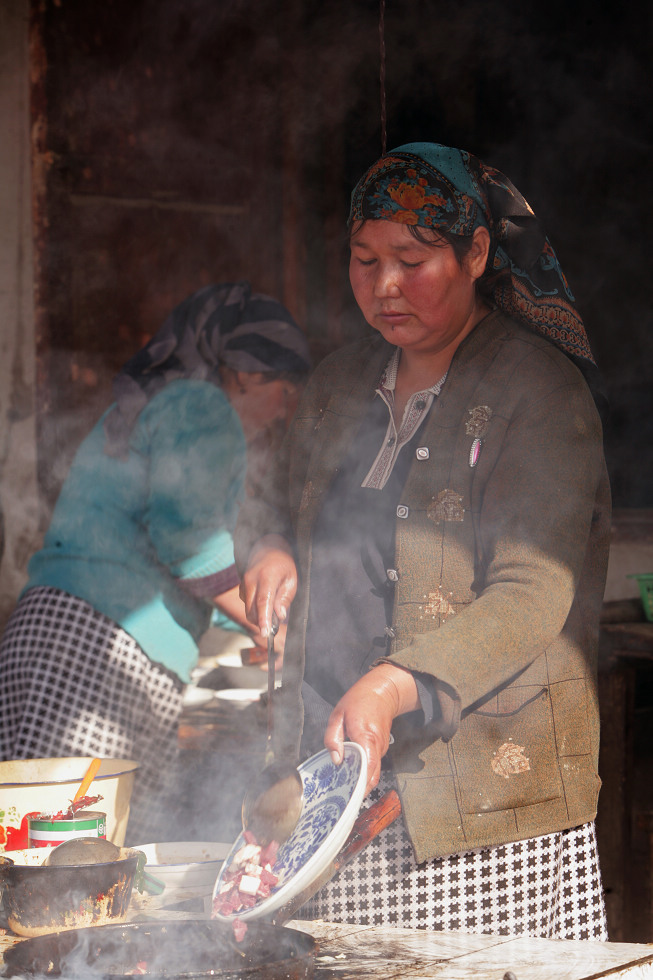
{"x": 270, "y": 582}
{"x": 366, "y": 712}
{"x": 232, "y": 605}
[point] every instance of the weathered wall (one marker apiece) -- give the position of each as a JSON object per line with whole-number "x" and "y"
{"x": 18, "y": 492}
{"x": 181, "y": 167}
{"x": 631, "y": 552}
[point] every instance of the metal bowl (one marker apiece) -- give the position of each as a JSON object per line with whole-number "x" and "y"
{"x": 38, "y": 899}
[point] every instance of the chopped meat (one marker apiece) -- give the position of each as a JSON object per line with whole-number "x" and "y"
{"x": 249, "y": 878}
{"x": 249, "y": 884}
{"x": 248, "y": 852}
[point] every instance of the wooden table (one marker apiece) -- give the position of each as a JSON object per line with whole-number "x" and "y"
{"x": 371, "y": 953}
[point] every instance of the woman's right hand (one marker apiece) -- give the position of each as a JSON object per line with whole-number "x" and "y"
{"x": 270, "y": 582}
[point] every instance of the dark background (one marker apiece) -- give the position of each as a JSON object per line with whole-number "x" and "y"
{"x": 182, "y": 142}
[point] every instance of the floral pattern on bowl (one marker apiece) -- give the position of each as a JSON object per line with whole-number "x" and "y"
{"x": 332, "y": 798}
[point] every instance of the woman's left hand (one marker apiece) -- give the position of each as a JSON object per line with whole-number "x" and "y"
{"x": 366, "y": 712}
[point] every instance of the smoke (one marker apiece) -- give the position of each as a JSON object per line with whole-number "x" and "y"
{"x": 174, "y": 948}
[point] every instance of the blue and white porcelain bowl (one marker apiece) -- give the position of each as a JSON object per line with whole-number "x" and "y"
{"x": 332, "y": 798}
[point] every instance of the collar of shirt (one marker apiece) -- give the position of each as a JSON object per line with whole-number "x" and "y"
{"x": 416, "y": 409}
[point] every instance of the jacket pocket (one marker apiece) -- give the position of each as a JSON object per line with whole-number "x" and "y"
{"x": 505, "y": 752}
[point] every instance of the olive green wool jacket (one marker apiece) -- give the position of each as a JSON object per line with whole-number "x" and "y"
{"x": 502, "y": 538}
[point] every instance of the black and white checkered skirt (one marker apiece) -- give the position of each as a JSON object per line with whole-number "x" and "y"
{"x": 72, "y": 682}
{"x": 548, "y": 887}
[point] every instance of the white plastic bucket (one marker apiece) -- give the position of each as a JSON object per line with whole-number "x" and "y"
{"x": 48, "y": 786}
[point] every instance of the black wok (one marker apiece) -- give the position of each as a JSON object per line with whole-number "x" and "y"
{"x": 183, "y": 949}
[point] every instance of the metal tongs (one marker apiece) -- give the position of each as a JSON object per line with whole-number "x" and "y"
{"x": 273, "y": 803}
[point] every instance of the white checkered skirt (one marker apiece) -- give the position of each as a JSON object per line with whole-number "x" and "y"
{"x": 72, "y": 682}
{"x": 547, "y": 887}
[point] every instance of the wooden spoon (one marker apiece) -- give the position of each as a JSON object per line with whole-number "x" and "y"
{"x": 89, "y": 776}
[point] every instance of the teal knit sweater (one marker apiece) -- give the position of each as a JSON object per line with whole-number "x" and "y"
{"x": 130, "y": 536}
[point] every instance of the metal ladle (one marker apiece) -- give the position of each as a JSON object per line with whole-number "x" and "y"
{"x": 273, "y": 803}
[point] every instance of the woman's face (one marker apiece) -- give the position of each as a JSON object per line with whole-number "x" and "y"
{"x": 264, "y": 407}
{"x": 417, "y": 296}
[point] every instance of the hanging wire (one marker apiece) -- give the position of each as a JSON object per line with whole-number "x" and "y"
{"x": 382, "y": 75}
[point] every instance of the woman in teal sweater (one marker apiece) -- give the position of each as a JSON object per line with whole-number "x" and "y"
{"x": 139, "y": 551}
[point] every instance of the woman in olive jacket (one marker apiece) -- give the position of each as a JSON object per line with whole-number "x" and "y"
{"x": 437, "y": 529}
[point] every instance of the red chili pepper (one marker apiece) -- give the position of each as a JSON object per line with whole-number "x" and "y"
{"x": 81, "y": 804}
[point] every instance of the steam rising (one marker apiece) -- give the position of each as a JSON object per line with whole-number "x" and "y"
{"x": 170, "y": 949}
{"x": 194, "y": 104}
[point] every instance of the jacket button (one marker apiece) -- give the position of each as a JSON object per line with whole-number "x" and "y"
{"x": 402, "y": 511}
{"x": 422, "y": 452}
{"x": 393, "y": 574}
{"x": 388, "y": 630}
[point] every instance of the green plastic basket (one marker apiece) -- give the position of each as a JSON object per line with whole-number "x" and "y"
{"x": 645, "y": 583}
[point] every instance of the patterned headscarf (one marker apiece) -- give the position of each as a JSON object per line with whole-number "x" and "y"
{"x": 225, "y": 323}
{"x": 450, "y": 190}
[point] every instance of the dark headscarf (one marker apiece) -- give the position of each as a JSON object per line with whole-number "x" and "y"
{"x": 222, "y": 324}
{"x": 451, "y": 190}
